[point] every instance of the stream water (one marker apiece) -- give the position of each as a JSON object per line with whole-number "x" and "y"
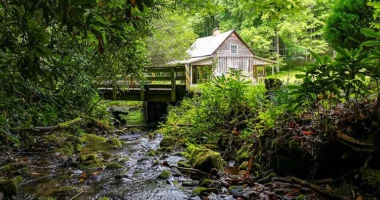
{"x": 137, "y": 179}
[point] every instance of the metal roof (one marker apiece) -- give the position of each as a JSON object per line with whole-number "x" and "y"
{"x": 206, "y": 46}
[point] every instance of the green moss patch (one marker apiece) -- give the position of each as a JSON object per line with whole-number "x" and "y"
{"x": 113, "y": 165}
{"x": 371, "y": 177}
{"x": 204, "y": 159}
{"x": 199, "y": 190}
{"x": 164, "y": 175}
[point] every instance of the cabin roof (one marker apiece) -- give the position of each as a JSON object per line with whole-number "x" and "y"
{"x": 206, "y": 46}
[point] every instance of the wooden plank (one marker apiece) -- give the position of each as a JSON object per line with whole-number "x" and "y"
{"x": 180, "y": 78}
{"x": 165, "y": 78}
{"x": 149, "y": 70}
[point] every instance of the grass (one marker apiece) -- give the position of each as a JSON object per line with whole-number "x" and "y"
{"x": 288, "y": 75}
{"x": 122, "y": 103}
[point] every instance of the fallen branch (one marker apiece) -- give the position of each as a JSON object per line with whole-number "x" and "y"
{"x": 316, "y": 188}
{"x": 59, "y": 126}
{"x": 77, "y": 195}
{"x": 348, "y": 138}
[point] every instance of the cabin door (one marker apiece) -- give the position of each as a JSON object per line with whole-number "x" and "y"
{"x": 201, "y": 74}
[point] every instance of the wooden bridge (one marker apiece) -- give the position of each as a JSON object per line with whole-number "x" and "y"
{"x": 164, "y": 84}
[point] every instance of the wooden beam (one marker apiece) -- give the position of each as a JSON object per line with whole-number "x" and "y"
{"x": 188, "y": 77}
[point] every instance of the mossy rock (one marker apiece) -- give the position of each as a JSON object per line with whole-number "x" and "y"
{"x": 167, "y": 141}
{"x": 243, "y": 166}
{"x": 114, "y": 142}
{"x": 204, "y": 159}
{"x": 371, "y": 177}
{"x": 104, "y": 198}
{"x": 10, "y": 187}
{"x": 165, "y": 149}
{"x": 164, "y": 175}
{"x": 113, "y": 165}
{"x": 200, "y": 190}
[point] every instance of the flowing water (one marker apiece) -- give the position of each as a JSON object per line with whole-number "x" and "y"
{"x": 136, "y": 180}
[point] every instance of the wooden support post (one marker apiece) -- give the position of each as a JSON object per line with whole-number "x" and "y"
{"x": 173, "y": 83}
{"x": 114, "y": 91}
{"x": 143, "y": 93}
{"x": 188, "y": 77}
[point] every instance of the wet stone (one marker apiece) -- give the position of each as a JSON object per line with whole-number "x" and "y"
{"x": 175, "y": 172}
{"x": 215, "y": 184}
{"x": 190, "y": 183}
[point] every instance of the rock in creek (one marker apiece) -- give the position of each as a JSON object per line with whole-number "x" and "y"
{"x": 190, "y": 183}
{"x": 205, "y": 159}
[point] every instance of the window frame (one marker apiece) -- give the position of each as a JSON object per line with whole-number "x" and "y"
{"x": 237, "y": 49}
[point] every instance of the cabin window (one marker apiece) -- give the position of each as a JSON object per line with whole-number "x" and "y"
{"x": 234, "y": 48}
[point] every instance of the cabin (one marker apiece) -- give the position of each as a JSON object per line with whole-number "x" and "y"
{"x": 217, "y": 54}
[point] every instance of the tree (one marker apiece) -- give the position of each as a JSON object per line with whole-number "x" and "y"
{"x": 51, "y": 52}
{"x": 344, "y": 24}
{"x": 172, "y": 36}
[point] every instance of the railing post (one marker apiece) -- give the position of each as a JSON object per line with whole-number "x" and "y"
{"x": 143, "y": 93}
{"x": 173, "y": 81}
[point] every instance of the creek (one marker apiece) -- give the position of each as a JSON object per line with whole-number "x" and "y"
{"x": 137, "y": 179}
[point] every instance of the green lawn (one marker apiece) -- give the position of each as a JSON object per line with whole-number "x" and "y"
{"x": 288, "y": 75}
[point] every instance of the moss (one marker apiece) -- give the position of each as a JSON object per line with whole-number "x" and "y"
{"x": 242, "y": 155}
{"x": 371, "y": 177}
{"x": 10, "y": 187}
{"x": 165, "y": 149}
{"x": 7, "y": 167}
{"x": 94, "y": 144}
{"x": 244, "y": 166}
{"x": 78, "y": 148}
{"x": 206, "y": 182}
{"x": 66, "y": 148}
{"x": 69, "y": 123}
{"x": 52, "y": 138}
{"x": 106, "y": 155}
{"x": 73, "y": 139}
{"x": 92, "y": 159}
{"x": 164, "y": 175}
{"x": 204, "y": 159}
{"x": 114, "y": 142}
{"x": 104, "y": 198}
{"x": 167, "y": 141}
{"x": 113, "y": 165}
{"x": 183, "y": 163}
{"x": 199, "y": 190}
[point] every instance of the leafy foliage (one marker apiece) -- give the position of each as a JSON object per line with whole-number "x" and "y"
{"x": 52, "y": 52}
{"x": 344, "y": 24}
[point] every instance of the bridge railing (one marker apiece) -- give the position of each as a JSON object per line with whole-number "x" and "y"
{"x": 165, "y": 77}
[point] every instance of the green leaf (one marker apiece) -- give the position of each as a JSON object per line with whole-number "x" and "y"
{"x": 370, "y": 43}
{"x": 370, "y": 32}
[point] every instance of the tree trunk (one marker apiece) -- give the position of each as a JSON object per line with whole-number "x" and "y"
{"x": 278, "y": 52}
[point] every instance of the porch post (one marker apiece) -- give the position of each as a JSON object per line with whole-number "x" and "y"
{"x": 188, "y": 76}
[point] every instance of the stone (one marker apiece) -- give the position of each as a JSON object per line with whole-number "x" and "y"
{"x": 175, "y": 172}
{"x": 215, "y": 184}
{"x": 203, "y": 190}
{"x": 236, "y": 191}
{"x": 190, "y": 183}
{"x": 205, "y": 159}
